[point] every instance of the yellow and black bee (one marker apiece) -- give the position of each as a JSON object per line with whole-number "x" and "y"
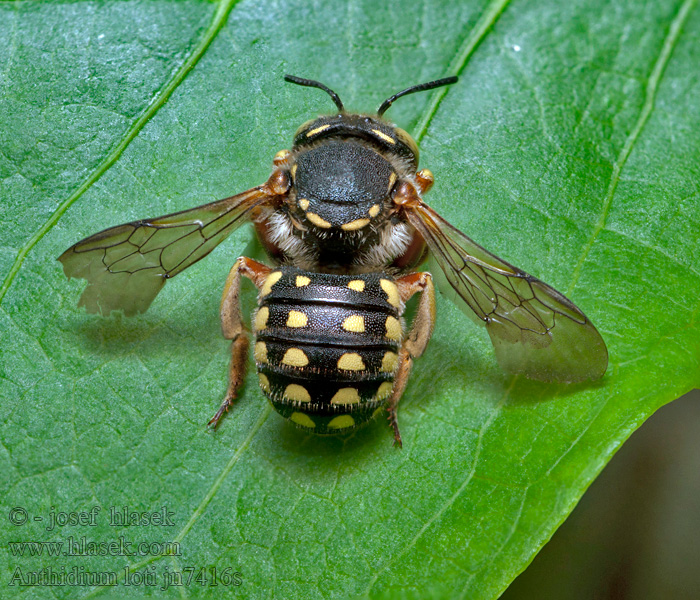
{"x": 343, "y": 220}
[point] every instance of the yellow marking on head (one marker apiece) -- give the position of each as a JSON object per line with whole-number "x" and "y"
{"x": 318, "y": 221}
{"x": 346, "y": 396}
{"x": 357, "y": 285}
{"x": 302, "y": 419}
{"x": 351, "y": 361}
{"x": 341, "y": 422}
{"x": 264, "y": 382}
{"x": 302, "y": 280}
{"x": 389, "y": 362}
{"x": 317, "y": 130}
{"x": 392, "y": 292}
{"x": 271, "y": 280}
{"x": 303, "y": 203}
{"x": 392, "y": 180}
{"x": 384, "y": 136}
{"x": 384, "y": 390}
{"x": 260, "y": 352}
{"x": 354, "y": 323}
{"x": 393, "y": 329}
{"x": 294, "y": 170}
{"x": 297, "y": 319}
{"x": 355, "y": 225}
{"x": 374, "y": 211}
{"x": 295, "y": 358}
{"x": 297, "y": 393}
{"x": 261, "y": 318}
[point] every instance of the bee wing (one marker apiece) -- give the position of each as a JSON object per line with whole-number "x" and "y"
{"x": 127, "y": 265}
{"x": 535, "y": 330}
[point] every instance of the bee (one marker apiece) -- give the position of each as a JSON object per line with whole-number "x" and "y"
{"x": 345, "y": 227}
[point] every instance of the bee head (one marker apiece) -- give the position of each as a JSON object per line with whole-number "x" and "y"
{"x": 344, "y": 166}
{"x": 371, "y": 128}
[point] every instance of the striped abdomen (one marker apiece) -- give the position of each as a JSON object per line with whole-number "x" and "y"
{"x": 327, "y": 345}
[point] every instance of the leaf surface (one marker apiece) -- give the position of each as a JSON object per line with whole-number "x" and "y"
{"x": 569, "y": 147}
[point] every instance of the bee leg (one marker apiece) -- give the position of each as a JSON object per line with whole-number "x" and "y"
{"x": 404, "y": 370}
{"x": 417, "y": 339}
{"x": 424, "y": 321}
{"x": 233, "y": 328}
{"x": 239, "y": 358}
{"x": 424, "y": 179}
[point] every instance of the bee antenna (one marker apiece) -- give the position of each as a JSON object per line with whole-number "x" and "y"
{"x": 319, "y": 85}
{"x": 416, "y": 88}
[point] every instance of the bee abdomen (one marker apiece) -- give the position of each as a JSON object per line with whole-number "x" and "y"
{"x": 327, "y": 345}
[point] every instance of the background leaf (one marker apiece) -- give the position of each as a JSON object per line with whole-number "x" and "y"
{"x": 568, "y": 147}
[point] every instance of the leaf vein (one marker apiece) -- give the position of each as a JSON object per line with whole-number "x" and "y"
{"x": 464, "y": 52}
{"x": 199, "y": 511}
{"x": 453, "y": 498}
{"x": 652, "y": 88}
{"x": 160, "y": 99}
{"x": 511, "y": 533}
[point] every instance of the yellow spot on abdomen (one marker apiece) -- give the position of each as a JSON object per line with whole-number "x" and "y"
{"x": 297, "y": 319}
{"x": 392, "y": 292}
{"x": 295, "y": 358}
{"x": 355, "y": 225}
{"x": 318, "y": 221}
{"x": 264, "y": 383}
{"x": 384, "y": 136}
{"x": 341, "y": 422}
{"x": 351, "y": 361}
{"x": 354, "y": 323}
{"x": 297, "y": 393}
{"x": 346, "y": 396}
{"x": 317, "y": 130}
{"x": 393, "y": 329}
{"x": 374, "y": 211}
{"x": 357, "y": 285}
{"x": 303, "y": 203}
{"x": 271, "y": 280}
{"x": 384, "y": 390}
{"x": 389, "y": 362}
{"x": 260, "y": 352}
{"x": 302, "y": 419}
{"x": 261, "y": 318}
{"x": 302, "y": 280}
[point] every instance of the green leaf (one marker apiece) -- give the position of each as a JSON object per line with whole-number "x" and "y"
{"x": 569, "y": 147}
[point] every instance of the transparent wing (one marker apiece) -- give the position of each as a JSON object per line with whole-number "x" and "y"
{"x": 127, "y": 265}
{"x": 535, "y": 330}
